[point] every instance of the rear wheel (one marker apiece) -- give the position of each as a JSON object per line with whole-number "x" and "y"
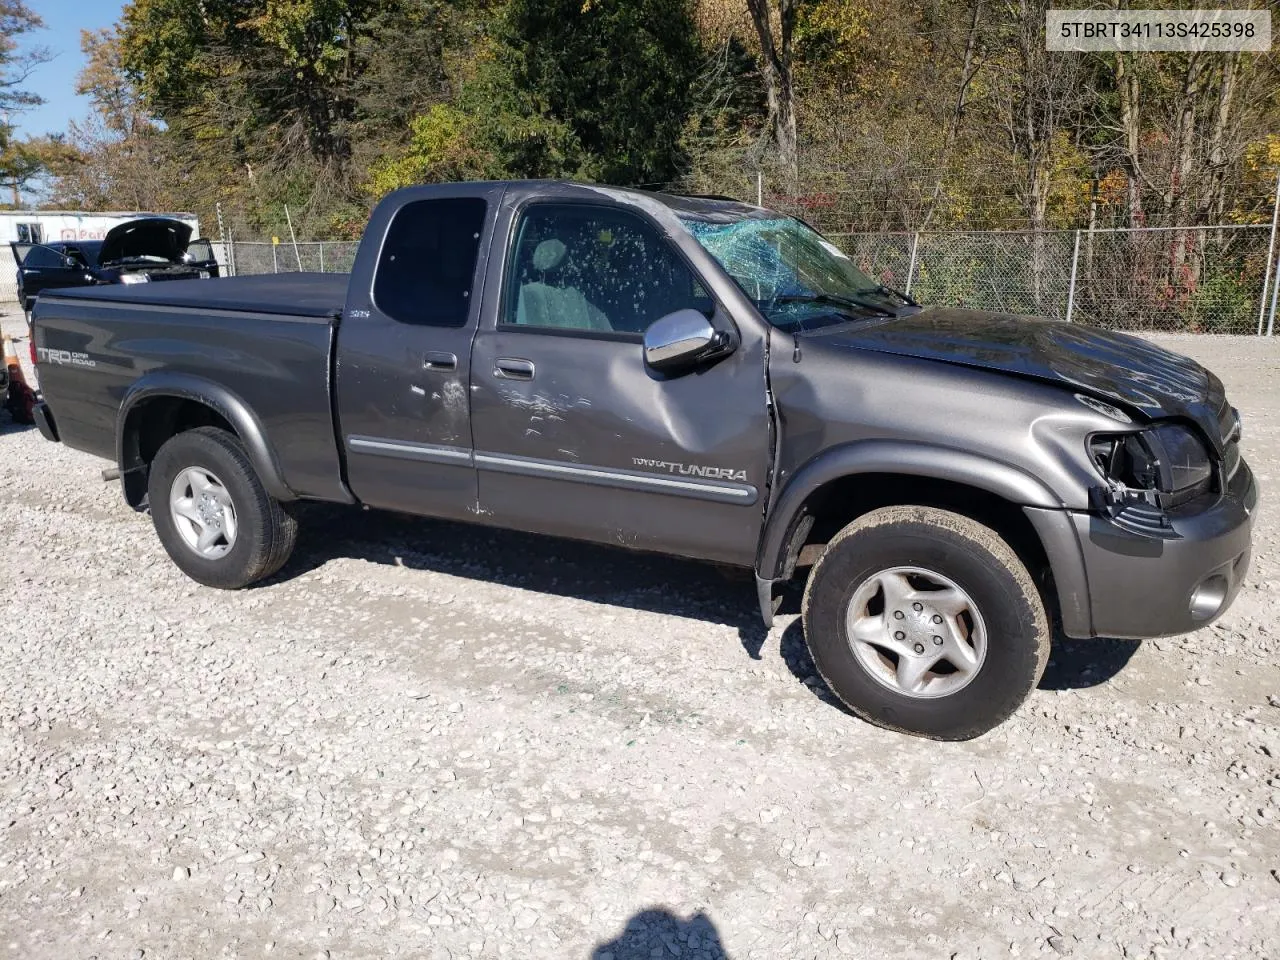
{"x": 214, "y": 517}
{"x": 925, "y": 621}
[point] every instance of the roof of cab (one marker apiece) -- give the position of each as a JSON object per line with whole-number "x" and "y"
{"x": 698, "y": 207}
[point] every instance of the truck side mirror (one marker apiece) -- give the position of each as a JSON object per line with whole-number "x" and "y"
{"x": 680, "y": 340}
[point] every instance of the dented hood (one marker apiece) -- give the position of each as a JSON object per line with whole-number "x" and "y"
{"x": 148, "y": 237}
{"x": 1122, "y": 369}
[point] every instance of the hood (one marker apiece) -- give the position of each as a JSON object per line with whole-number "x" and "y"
{"x": 1124, "y": 370}
{"x": 148, "y": 237}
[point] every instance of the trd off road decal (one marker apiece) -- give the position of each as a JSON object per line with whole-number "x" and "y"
{"x": 64, "y": 357}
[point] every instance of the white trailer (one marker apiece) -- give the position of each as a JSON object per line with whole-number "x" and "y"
{"x": 53, "y": 226}
{"x": 50, "y": 226}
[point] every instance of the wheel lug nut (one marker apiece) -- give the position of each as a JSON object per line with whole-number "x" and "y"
{"x": 898, "y": 614}
{"x": 899, "y": 635}
{"x": 917, "y": 606}
{"x": 919, "y": 648}
{"x": 938, "y": 641}
{"x": 936, "y": 618}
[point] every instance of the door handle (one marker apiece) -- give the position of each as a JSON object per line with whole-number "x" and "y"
{"x": 513, "y": 368}
{"x": 439, "y": 360}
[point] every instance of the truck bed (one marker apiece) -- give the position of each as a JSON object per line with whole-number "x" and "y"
{"x": 320, "y": 295}
{"x": 258, "y": 350}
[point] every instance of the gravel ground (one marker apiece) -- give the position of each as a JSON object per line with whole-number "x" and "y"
{"x": 427, "y": 740}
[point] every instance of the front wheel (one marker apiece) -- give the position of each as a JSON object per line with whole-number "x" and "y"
{"x": 214, "y": 517}
{"x": 925, "y": 621}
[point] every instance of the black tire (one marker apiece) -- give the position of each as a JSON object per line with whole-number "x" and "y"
{"x": 976, "y": 560}
{"x": 266, "y": 532}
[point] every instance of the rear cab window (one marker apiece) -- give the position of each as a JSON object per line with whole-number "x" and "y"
{"x": 427, "y": 266}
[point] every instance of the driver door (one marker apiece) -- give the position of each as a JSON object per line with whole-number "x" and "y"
{"x": 574, "y": 434}
{"x": 44, "y": 268}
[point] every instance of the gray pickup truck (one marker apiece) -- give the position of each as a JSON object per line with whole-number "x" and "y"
{"x": 692, "y": 376}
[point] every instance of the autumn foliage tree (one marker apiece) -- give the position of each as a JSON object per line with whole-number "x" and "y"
{"x": 20, "y": 160}
{"x": 860, "y": 114}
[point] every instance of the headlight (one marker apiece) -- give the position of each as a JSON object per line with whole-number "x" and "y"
{"x": 134, "y": 278}
{"x": 1164, "y": 465}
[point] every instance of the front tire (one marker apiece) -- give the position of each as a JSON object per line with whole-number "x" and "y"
{"x": 213, "y": 516}
{"x": 925, "y": 621}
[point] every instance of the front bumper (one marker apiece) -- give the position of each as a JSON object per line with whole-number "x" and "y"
{"x": 1141, "y": 586}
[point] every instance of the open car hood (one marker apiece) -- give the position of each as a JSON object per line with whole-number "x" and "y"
{"x": 148, "y": 237}
{"x": 1123, "y": 369}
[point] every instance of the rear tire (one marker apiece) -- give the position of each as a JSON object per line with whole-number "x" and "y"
{"x": 925, "y": 621}
{"x": 212, "y": 514}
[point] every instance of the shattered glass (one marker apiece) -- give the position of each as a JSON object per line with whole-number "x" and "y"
{"x": 787, "y": 268}
{"x": 781, "y": 257}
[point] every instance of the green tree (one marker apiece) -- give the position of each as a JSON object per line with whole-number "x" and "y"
{"x": 616, "y": 74}
{"x": 269, "y": 102}
{"x": 17, "y": 61}
{"x": 30, "y": 159}
{"x": 20, "y": 161}
{"x": 561, "y": 88}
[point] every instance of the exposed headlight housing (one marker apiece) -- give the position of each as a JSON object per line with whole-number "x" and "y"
{"x": 134, "y": 278}
{"x": 1161, "y": 467}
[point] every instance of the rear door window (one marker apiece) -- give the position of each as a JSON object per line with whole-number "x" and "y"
{"x": 200, "y": 251}
{"x": 427, "y": 267}
{"x": 43, "y": 257}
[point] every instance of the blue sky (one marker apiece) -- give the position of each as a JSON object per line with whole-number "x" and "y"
{"x": 56, "y": 80}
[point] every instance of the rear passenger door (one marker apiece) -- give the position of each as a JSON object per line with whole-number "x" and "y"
{"x": 404, "y": 349}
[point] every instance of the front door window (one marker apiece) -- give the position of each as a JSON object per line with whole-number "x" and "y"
{"x": 595, "y": 270}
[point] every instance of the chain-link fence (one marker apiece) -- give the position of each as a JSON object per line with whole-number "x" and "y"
{"x": 8, "y": 275}
{"x": 1194, "y": 279}
{"x": 318, "y": 256}
{"x": 895, "y": 191}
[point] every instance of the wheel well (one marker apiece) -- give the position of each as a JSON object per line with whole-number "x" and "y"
{"x": 149, "y": 424}
{"x": 838, "y": 503}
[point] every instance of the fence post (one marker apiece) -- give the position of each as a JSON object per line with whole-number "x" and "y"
{"x": 1275, "y": 289}
{"x": 321, "y": 245}
{"x": 275, "y": 263}
{"x": 223, "y": 239}
{"x": 911, "y": 269}
{"x": 1271, "y": 249}
{"x": 1071, "y": 288}
{"x": 759, "y": 188}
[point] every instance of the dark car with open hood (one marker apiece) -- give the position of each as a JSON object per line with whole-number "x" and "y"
{"x": 137, "y": 251}
{"x": 690, "y": 376}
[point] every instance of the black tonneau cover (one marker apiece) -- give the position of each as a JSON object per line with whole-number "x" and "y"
{"x": 291, "y": 294}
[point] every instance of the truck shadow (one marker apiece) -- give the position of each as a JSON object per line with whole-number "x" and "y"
{"x": 1074, "y": 664}
{"x": 658, "y": 931}
{"x": 568, "y": 568}
{"x": 615, "y": 577}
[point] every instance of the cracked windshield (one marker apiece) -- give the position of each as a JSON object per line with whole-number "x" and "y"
{"x": 799, "y": 280}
